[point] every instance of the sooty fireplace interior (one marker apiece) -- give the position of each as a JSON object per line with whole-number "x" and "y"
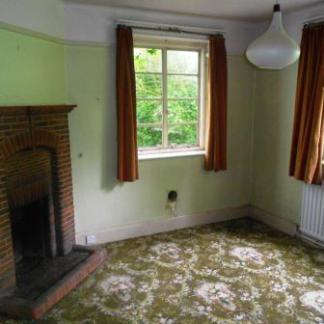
{"x": 32, "y": 217}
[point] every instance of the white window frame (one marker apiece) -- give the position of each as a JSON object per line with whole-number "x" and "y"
{"x": 163, "y": 43}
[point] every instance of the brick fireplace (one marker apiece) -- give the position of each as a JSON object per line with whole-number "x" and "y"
{"x": 36, "y": 201}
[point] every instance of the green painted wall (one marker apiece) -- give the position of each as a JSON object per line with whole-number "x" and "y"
{"x": 32, "y": 70}
{"x": 39, "y": 71}
{"x": 273, "y": 190}
{"x": 101, "y": 203}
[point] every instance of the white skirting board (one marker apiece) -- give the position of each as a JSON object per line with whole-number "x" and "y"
{"x": 272, "y": 220}
{"x": 149, "y": 227}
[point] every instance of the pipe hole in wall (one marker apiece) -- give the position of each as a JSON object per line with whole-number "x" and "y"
{"x": 172, "y": 196}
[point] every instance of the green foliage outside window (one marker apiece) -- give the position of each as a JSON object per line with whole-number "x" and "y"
{"x": 180, "y": 115}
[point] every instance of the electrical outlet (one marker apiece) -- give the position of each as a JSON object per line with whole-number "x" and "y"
{"x": 91, "y": 239}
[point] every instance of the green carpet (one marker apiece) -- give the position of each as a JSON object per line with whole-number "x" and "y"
{"x": 235, "y": 272}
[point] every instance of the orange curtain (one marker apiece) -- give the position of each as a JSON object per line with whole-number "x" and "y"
{"x": 126, "y": 106}
{"x": 216, "y": 148}
{"x": 308, "y": 133}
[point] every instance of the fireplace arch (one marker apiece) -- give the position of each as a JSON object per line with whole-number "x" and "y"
{"x": 28, "y": 140}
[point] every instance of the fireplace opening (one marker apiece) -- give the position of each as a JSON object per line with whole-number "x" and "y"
{"x": 36, "y": 232}
{"x": 30, "y": 228}
{"x": 32, "y": 212}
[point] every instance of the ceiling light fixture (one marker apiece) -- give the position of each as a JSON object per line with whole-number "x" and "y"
{"x": 275, "y": 49}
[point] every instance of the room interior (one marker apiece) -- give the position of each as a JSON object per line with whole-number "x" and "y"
{"x": 161, "y": 161}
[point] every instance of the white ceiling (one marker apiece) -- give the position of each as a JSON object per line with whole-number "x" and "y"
{"x": 230, "y": 9}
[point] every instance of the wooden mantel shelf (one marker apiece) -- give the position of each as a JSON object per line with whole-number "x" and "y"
{"x": 40, "y": 109}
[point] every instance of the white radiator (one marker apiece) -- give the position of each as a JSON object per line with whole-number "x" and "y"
{"x": 312, "y": 215}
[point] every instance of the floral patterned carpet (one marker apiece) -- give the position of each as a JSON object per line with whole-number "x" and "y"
{"x": 234, "y": 272}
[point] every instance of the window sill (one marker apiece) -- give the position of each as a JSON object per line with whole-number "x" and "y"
{"x": 142, "y": 156}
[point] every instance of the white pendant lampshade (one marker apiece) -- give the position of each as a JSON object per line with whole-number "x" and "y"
{"x": 275, "y": 49}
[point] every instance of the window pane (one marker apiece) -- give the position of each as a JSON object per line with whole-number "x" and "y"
{"x": 184, "y": 62}
{"x": 148, "y": 60}
{"x": 149, "y": 111}
{"x": 180, "y": 111}
{"x": 185, "y": 134}
{"x": 148, "y": 86}
{"x": 182, "y": 86}
{"x": 149, "y": 136}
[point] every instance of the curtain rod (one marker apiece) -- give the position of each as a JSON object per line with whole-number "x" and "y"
{"x": 314, "y": 20}
{"x": 170, "y": 28}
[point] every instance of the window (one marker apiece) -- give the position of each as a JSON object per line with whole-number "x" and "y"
{"x": 170, "y": 98}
